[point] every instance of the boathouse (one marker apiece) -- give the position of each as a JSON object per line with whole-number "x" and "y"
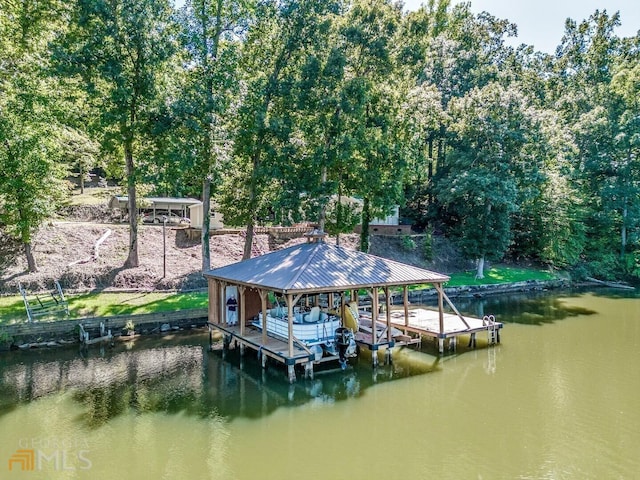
{"x": 331, "y": 278}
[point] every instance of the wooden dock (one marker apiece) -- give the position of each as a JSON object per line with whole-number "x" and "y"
{"x": 272, "y": 347}
{"x": 422, "y": 321}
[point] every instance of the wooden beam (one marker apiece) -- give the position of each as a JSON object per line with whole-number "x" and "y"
{"x": 263, "y": 298}
{"x": 297, "y": 298}
{"x": 388, "y": 308}
{"x": 438, "y": 287}
{"x": 290, "y": 322}
{"x": 405, "y": 302}
{"x": 213, "y": 301}
{"x": 373, "y": 293}
{"x": 242, "y": 312}
{"x": 453, "y": 307}
{"x": 223, "y": 303}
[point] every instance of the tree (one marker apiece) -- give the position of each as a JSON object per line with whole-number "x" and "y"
{"x": 211, "y": 33}
{"x": 31, "y": 185}
{"x": 479, "y": 188}
{"x": 80, "y": 151}
{"x": 375, "y": 165}
{"x": 121, "y": 50}
{"x": 595, "y": 104}
{"x": 265, "y": 142}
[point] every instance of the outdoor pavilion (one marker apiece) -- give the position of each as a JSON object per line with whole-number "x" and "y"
{"x": 316, "y": 268}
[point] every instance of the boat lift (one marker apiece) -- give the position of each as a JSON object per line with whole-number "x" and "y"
{"x": 52, "y": 304}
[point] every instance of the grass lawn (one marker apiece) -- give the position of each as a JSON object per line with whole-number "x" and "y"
{"x": 493, "y": 276}
{"x": 104, "y": 304}
{"x": 500, "y": 274}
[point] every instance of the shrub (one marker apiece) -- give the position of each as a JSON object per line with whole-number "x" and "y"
{"x": 408, "y": 243}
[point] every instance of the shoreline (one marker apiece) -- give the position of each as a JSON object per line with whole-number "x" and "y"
{"x": 24, "y": 336}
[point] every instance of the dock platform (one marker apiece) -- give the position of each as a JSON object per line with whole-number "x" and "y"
{"x": 274, "y": 348}
{"x": 426, "y": 322}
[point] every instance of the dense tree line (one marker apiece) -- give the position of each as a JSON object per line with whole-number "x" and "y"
{"x": 278, "y": 110}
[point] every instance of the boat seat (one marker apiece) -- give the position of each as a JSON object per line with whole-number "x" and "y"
{"x": 314, "y": 316}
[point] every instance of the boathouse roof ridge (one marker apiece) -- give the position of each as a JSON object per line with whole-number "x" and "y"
{"x": 319, "y": 266}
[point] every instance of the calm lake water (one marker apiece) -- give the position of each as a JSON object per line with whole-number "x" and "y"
{"x": 559, "y": 398}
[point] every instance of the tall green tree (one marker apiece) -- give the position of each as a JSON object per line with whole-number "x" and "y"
{"x": 480, "y": 187}
{"x": 31, "y": 184}
{"x": 121, "y": 50}
{"x": 590, "y": 101}
{"x": 212, "y": 32}
{"x": 376, "y": 166}
{"x": 265, "y": 143}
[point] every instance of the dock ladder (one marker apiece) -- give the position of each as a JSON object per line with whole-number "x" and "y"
{"x": 493, "y": 333}
{"x": 45, "y": 305}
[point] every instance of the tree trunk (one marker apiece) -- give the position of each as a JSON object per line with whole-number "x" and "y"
{"x": 339, "y": 213}
{"x": 623, "y": 233}
{"x": 430, "y": 171}
{"x": 206, "y": 184}
{"x": 206, "y": 223}
{"x": 31, "y": 261}
{"x": 480, "y": 270}
{"x": 132, "y": 260}
{"x": 248, "y": 240}
{"x": 322, "y": 220}
{"x": 82, "y": 173}
{"x": 366, "y": 219}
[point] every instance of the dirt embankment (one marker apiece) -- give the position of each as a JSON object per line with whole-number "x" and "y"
{"x": 64, "y": 251}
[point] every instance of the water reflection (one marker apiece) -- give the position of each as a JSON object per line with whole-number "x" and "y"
{"x": 185, "y": 378}
{"x": 529, "y": 308}
{"x": 172, "y": 375}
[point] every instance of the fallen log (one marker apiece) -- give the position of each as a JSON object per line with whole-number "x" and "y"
{"x": 611, "y": 284}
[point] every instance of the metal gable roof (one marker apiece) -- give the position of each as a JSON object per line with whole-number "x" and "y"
{"x": 321, "y": 267}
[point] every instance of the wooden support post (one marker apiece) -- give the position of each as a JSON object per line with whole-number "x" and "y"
{"x": 213, "y": 301}
{"x": 290, "y": 326}
{"x": 263, "y": 299}
{"x": 291, "y": 371}
{"x": 405, "y": 303}
{"x": 242, "y": 312}
{"x": 375, "y": 305}
{"x": 441, "y": 345}
{"x": 223, "y": 303}
{"x": 440, "y": 306}
{"x": 388, "y": 312}
{"x": 374, "y": 315}
{"x": 308, "y": 370}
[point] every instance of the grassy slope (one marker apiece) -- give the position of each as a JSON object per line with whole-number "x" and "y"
{"x": 105, "y": 304}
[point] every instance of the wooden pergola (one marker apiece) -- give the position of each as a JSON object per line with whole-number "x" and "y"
{"x": 315, "y": 269}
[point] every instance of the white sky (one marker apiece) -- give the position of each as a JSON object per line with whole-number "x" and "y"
{"x": 541, "y": 22}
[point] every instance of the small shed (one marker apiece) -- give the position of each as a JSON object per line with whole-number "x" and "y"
{"x": 155, "y": 205}
{"x": 196, "y": 216}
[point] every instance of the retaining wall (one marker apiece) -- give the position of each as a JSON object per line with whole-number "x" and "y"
{"x": 67, "y": 329}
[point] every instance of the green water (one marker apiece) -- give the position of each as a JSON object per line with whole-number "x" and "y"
{"x": 557, "y": 399}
